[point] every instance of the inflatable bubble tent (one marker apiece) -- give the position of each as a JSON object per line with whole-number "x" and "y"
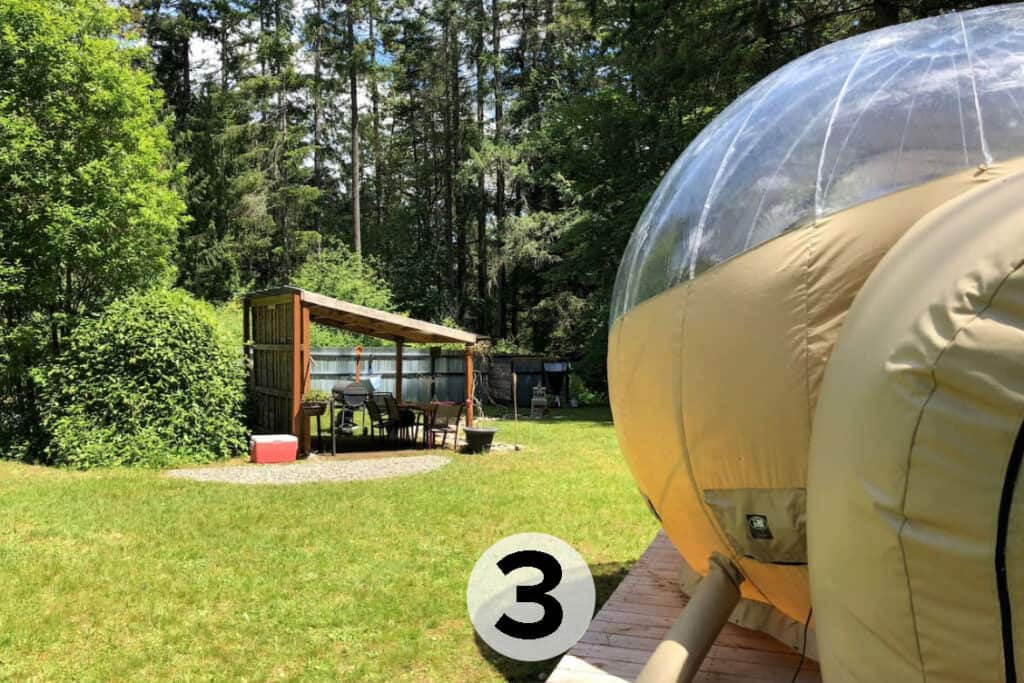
{"x": 850, "y": 122}
{"x": 816, "y": 351}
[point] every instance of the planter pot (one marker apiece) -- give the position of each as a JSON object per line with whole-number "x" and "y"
{"x": 314, "y": 409}
{"x": 478, "y": 439}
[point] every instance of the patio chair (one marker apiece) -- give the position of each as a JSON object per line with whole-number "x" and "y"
{"x": 539, "y": 402}
{"x": 403, "y": 417}
{"x": 446, "y": 421}
{"x": 381, "y": 423}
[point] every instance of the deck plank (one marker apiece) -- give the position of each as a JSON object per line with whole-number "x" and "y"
{"x": 638, "y": 615}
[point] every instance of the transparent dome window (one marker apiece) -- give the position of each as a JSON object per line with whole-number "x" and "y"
{"x": 848, "y": 123}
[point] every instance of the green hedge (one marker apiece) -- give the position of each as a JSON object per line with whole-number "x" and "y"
{"x": 151, "y": 382}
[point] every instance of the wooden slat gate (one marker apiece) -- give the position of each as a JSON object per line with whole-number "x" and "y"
{"x": 275, "y": 366}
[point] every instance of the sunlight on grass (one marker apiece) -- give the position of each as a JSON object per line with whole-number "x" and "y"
{"x": 129, "y": 574}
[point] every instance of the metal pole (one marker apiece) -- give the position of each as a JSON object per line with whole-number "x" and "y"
{"x": 515, "y": 409}
{"x": 469, "y": 388}
{"x": 399, "y": 363}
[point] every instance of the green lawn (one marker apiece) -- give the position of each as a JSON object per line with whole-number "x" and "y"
{"x": 128, "y": 574}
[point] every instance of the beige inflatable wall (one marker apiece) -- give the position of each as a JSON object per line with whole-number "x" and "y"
{"x": 714, "y": 385}
{"x": 911, "y": 462}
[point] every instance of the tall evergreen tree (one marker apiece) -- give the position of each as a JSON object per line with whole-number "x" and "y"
{"x": 504, "y": 147}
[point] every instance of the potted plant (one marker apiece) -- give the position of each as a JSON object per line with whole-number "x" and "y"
{"x": 314, "y": 402}
{"x": 478, "y": 439}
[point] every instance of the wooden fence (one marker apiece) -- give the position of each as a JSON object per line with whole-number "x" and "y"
{"x": 275, "y": 365}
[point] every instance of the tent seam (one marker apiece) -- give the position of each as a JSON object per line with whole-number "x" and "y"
{"x": 677, "y": 384}
{"x": 807, "y": 329}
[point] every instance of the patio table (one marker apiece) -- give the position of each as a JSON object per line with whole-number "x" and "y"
{"x": 427, "y": 410}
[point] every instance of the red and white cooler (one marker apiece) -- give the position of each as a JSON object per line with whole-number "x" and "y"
{"x": 268, "y": 448}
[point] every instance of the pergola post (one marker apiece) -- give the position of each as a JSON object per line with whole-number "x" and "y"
{"x": 296, "y": 402}
{"x": 399, "y": 345}
{"x": 307, "y": 376}
{"x": 469, "y": 385}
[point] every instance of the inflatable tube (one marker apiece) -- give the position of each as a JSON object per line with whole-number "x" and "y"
{"x": 915, "y": 523}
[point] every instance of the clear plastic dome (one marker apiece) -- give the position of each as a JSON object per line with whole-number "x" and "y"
{"x": 850, "y": 122}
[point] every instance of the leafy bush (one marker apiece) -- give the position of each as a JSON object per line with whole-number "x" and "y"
{"x": 340, "y": 273}
{"x": 584, "y": 394}
{"x": 88, "y": 208}
{"x": 151, "y": 382}
{"x": 316, "y": 396}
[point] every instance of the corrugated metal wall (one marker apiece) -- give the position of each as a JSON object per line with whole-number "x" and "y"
{"x": 378, "y": 365}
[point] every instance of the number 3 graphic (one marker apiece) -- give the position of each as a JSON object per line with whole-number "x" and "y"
{"x": 538, "y": 593}
{"x": 524, "y": 616}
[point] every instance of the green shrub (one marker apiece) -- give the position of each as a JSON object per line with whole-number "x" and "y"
{"x": 88, "y": 206}
{"x": 584, "y": 394}
{"x": 337, "y": 272}
{"x": 316, "y": 396}
{"x": 151, "y": 382}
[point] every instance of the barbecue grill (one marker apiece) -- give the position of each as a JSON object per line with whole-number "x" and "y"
{"x": 350, "y": 396}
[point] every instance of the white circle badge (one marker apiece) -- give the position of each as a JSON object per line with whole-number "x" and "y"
{"x": 531, "y": 597}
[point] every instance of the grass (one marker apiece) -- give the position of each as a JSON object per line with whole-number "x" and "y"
{"x": 130, "y": 575}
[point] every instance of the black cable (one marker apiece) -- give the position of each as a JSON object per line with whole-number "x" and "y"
{"x": 803, "y": 650}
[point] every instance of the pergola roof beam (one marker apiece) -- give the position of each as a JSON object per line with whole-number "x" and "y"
{"x": 325, "y": 310}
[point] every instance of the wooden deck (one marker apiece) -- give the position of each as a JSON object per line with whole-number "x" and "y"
{"x": 638, "y": 615}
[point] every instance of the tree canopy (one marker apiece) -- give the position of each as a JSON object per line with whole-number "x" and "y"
{"x": 478, "y": 162}
{"x": 89, "y": 208}
{"x": 491, "y": 155}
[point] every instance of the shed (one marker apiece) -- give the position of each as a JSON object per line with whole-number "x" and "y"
{"x": 276, "y": 336}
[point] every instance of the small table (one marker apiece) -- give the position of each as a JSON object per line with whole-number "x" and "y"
{"x": 427, "y": 410}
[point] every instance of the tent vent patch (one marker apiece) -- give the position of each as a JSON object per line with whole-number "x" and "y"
{"x": 758, "y": 527}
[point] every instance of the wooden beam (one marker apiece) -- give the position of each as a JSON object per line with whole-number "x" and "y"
{"x": 296, "y": 383}
{"x": 399, "y": 346}
{"x": 307, "y": 375}
{"x": 419, "y": 330}
{"x": 469, "y": 386}
{"x": 361, "y": 318}
{"x": 269, "y": 300}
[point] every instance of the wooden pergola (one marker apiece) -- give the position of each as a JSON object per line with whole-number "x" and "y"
{"x": 276, "y": 335}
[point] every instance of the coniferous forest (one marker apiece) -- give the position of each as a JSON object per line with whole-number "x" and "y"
{"x": 490, "y": 156}
{"x": 479, "y": 163}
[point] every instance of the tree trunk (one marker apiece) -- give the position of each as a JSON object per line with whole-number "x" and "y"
{"x": 483, "y": 319}
{"x": 449, "y": 156}
{"x": 186, "y": 79}
{"x": 318, "y": 110}
{"x": 378, "y": 162}
{"x": 457, "y": 152}
{"x": 499, "y": 185}
{"x": 263, "y": 62}
{"x": 887, "y": 12}
{"x": 224, "y": 56}
{"x": 357, "y": 237}
{"x": 280, "y": 170}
